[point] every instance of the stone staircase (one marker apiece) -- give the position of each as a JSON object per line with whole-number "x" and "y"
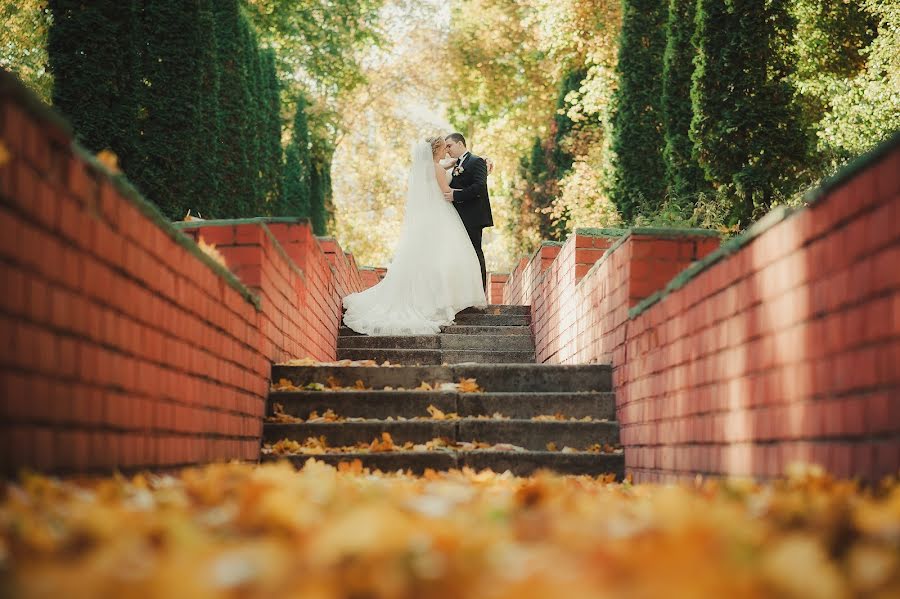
{"x": 495, "y": 335}
{"x": 523, "y": 418}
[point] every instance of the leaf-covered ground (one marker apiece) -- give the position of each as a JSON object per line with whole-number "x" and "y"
{"x": 270, "y": 531}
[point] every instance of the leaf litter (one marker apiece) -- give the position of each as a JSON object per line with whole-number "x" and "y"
{"x": 323, "y": 532}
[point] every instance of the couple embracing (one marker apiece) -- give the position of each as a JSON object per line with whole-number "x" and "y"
{"x": 438, "y": 265}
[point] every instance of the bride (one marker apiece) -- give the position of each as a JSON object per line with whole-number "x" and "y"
{"x": 434, "y": 273}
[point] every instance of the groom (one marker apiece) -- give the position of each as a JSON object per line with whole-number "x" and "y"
{"x": 469, "y": 194}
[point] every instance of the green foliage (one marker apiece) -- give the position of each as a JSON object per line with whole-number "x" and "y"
{"x": 271, "y": 143}
{"x": 746, "y": 127}
{"x": 238, "y": 183}
{"x": 541, "y": 171}
{"x": 253, "y": 116}
{"x": 684, "y": 177}
{"x": 175, "y": 59}
{"x": 318, "y": 40}
{"x": 23, "y": 43}
{"x": 295, "y": 200}
{"x": 320, "y": 194}
{"x": 97, "y": 89}
{"x": 864, "y": 109}
{"x": 208, "y": 126}
{"x": 637, "y": 123}
{"x": 831, "y": 37}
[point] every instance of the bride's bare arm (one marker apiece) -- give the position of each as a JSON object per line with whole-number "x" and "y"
{"x": 441, "y": 175}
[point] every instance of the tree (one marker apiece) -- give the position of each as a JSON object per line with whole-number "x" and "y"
{"x": 271, "y": 133}
{"x": 234, "y": 107}
{"x": 684, "y": 177}
{"x": 175, "y": 142}
{"x": 295, "y": 200}
{"x": 254, "y": 116}
{"x": 23, "y": 43}
{"x": 97, "y": 89}
{"x": 848, "y": 72}
{"x": 320, "y": 193}
{"x": 208, "y": 126}
{"x": 637, "y": 141}
{"x": 746, "y": 126}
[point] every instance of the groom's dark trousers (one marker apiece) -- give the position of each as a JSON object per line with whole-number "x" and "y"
{"x": 473, "y": 203}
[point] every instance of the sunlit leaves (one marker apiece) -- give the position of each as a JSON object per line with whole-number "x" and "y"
{"x": 252, "y": 531}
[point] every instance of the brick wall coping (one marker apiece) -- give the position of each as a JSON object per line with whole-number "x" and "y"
{"x": 775, "y": 216}
{"x": 729, "y": 247}
{"x": 261, "y": 221}
{"x": 228, "y": 222}
{"x": 625, "y": 234}
{"x": 599, "y": 232}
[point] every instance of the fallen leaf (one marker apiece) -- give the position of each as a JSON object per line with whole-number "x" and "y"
{"x": 109, "y": 159}
{"x": 468, "y": 386}
{"x": 5, "y": 155}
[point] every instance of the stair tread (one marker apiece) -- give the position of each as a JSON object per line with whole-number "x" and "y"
{"x": 462, "y": 419}
{"x": 517, "y": 462}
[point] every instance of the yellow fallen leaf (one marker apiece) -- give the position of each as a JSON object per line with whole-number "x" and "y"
{"x": 210, "y": 250}
{"x": 468, "y": 386}
{"x": 437, "y": 414}
{"x": 109, "y": 159}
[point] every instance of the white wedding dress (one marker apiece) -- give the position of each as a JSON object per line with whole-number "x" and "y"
{"x": 434, "y": 273}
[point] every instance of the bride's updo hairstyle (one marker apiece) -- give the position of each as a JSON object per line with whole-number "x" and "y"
{"x": 437, "y": 144}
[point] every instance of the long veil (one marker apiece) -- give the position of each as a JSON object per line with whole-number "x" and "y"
{"x": 422, "y": 194}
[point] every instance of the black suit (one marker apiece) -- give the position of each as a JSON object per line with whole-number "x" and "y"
{"x": 473, "y": 202}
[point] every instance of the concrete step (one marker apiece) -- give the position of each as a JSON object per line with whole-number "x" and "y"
{"x": 528, "y": 434}
{"x": 487, "y": 342}
{"x": 350, "y": 433}
{"x": 535, "y": 435}
{"x": 505, "y": 309}
{"x": 363, "y": 404}
{"x": 389, "y": 342}
{"x": 476, "y": 356}
{"x": 456, "y": 329}
{"x": 454, "y": 342}
{"x": 518, "y": 463}
{"x": 490, "y": 377}
{"x": 538, "y": 377}
{"x": 432, "y": 356}
{"x": 496, "y": 320}
{"x": 408, "y": 404}
{"x": 412, "y": 357}
{"x": 527, "y": 405}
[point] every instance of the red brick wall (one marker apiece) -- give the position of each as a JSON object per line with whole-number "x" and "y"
{"x": 496, "y": 284}
{"x": 121, "y": 347}
{"x": 300, "y": 308}
{"x": 368, "y": 277}
{"x": 346, "y": 275}
{"x": 126, "y": 347}
{"x": 783, "y": 346}
{"x": 788, "y": 350}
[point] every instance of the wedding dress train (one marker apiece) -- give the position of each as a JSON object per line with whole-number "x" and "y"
{"x": 434, "y": 273}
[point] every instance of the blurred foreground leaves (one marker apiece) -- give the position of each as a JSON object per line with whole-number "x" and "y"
{"x": 270, "y": 531}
